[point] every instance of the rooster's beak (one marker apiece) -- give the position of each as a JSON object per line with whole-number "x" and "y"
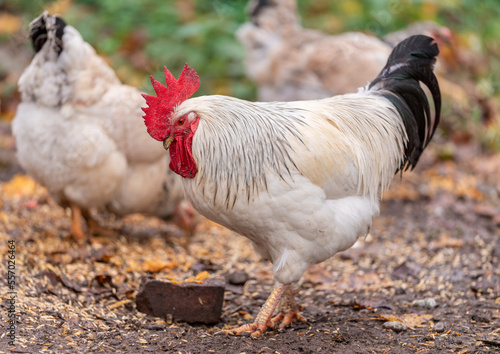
{"x": 168, "y": 141}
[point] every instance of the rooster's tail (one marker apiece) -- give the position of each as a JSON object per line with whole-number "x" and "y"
{"x": 46, "y": 28}
{"x": 410, "y": 62}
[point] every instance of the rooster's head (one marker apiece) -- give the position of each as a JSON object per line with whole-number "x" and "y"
{"x": 176, "y": 132}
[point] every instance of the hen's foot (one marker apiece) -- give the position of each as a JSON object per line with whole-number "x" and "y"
{"x": 186, "y": 218}
{"x": 96, "y": 229}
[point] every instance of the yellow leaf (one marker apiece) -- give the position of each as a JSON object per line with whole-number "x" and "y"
{"x": 412, "y": 320}
{"x": 202, "y": 276}
{"x": 118, "y": 304}
{"x": 19, "y": 186}
{"x": 192, "y": 280}
{"x": 155, "y": 265}
{"x": 388, "y": 317}
{"x": 415, "y": 320}
{"x": 446, "y": 241}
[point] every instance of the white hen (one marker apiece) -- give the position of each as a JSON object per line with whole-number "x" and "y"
{"x": 289, "y": 62}
{"x": 77, "y": 132}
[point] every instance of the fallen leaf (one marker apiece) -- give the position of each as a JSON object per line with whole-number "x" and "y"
{"x": 118, "y": 304}
{"x": 202, "y": 276}
{"x": 416, "y": 320}
{"x": 155, "y": 265}
{"x": 446, "y": 241}
{"x": 412, "y": 320}
{"x": 19, "y": 186}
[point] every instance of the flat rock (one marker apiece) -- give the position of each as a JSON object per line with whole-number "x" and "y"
{"x": 428, "y": 303}
{"x": 440, "y": 327}
{"x": 238, "y": 277}
{"x": 188, "y": 302}
{"x": 396, "y": 326}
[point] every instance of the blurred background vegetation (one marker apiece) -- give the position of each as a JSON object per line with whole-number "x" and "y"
{"x": 138, "y": 38}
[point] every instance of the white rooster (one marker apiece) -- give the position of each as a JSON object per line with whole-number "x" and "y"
{"x": 77, "y": 133}
{"x": 302, "y": 180}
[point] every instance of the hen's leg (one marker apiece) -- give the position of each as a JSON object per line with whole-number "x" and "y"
{"x": 186, "y": 218}
{"x": 76, "y": 225}
{"x": 95, "y": 228}
{"x": 289, "y": 311}
{"x": 264, "y": 317}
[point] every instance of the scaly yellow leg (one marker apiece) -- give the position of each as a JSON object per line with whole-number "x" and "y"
{"x": 289, "y": 311}
{"x": 264, "y": 317}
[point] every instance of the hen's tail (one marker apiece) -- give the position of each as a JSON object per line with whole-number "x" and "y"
{"x": 411, "y": 62}
{"x": 46, "y": 28}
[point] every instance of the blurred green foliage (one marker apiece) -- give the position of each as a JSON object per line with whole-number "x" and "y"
{"x": 140, "y": 37}
{"x": 170, "y": 33}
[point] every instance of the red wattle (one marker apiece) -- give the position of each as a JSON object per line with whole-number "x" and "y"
{"x": 181, "y": 155}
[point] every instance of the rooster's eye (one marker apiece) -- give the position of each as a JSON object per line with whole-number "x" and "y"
{"x": 180, "y": 121}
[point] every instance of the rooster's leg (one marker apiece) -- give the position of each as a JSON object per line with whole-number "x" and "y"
{"x": 289, "y": 311}
{"x": 76, "y": 225}
{"x": 264, "y": 317}
{"x": 95, "y": 228}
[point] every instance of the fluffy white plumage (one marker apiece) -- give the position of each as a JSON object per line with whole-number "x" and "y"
{"x": 78, "y": 131}
{"x": 314, "y": 157}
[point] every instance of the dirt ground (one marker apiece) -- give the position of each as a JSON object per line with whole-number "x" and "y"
{"x": 426, "y": 279}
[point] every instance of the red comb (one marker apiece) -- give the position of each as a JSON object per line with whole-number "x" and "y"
{"x": 160, "y": 108}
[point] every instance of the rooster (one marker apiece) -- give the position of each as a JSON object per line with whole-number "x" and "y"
{"x": 77, "y": 133}
{"x": 302, "y": 180}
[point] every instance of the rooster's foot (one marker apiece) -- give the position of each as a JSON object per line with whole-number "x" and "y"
{"x": 285, "y": 319}
{"x": 255, "y": 330}
{"x": 263, "y": 320}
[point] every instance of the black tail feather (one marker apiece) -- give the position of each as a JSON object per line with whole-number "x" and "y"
{"x": 412, "y": 61}
{"x": 40, "y": 28}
